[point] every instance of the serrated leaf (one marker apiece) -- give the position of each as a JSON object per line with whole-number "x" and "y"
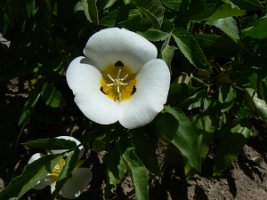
{"x": 228, "y": 25}
{"x": 230, "y": 146}
{"x": 51, "y": 96}
{"x": 137, "y": 172}
{"x": 190, "y": 48}
{"x": 258, "y": 31}
{"x": 226, "y": 10}
{"x": 90, "y": 10}
{"x": 29, "y": 177}
{"x": 174, "y": 126}
{"x": 155, "y": 35}
{"x": 51, "y": 143}
{"x": 172, "y": 4}
{"x": 152, "y": 9}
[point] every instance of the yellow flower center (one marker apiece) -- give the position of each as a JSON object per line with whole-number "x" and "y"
{"x": 118, "y": 82}
{"x": 57, "y": 170}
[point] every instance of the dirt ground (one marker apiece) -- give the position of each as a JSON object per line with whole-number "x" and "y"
{"x": 245, "y": 180}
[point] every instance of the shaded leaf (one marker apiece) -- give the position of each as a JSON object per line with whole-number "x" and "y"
{"x": 172, "y": 4}
{"x": 155, "y": 35}
{"x": 174, "y": 126}
{"x": 152, "y": 9}
{"x": 51, "y": 143}
{"x": 51, "y": 96}
{"x": 190, "y": 48}
{"x": 230, "y": 146}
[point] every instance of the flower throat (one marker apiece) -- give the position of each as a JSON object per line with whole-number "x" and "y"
{"x": 118, "y": 82}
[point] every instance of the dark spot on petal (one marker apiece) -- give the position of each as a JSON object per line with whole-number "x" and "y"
{"x": 134, "y": 90}
{"x": 119, "y": 64}
{"x": 101, "y": 89}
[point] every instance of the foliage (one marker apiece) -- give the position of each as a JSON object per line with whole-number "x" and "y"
{"x": 216, "y": 51}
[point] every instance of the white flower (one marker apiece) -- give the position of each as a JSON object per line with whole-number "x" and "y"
{"x": 74, "y": 186}
{"x": 120, "y": 79}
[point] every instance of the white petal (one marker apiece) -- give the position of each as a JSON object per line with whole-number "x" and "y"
{"x": 41, "y": 184}
{"x": 114, "y": 44}
{"x": 35, "y": 157}
{"x": 75, "y": 185}
{"x": 59, "y": 151}
{"x": 152, "y": 88}
{"x": 84, "y": 80}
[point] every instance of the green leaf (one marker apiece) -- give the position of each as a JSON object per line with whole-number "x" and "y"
{"x": 155, "y": 35}
{"x": 259, "y": 104}
{"x": 152, "y": 9}
{"x": 190, "y": 48}
{"x": 258, "y": 31}
{"x": 28, "y": 108}
{"x": 145, "y": 151}
{"x": 137, "y": 172}
{"x": 70, "y": 164}
{"x": 167, "y": 52}
{"x": 248, "y": 4}
{"x": 172, "y": 4}
{"x": 90, "y": 10}
{"x": 116, "y": 167}
{"x": 30, "y": 176}
{"x": 230, "y": 146}
{"x": 226, "y": 10}
{"x": 51, "y": 96}
{"x": 51, "y": 143}
{"x": 228, "y": 25}
{"x": 174, "y": 126}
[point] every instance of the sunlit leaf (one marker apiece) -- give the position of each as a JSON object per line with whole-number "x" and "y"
{"x": 90, "y": 10}
{"x": 259, "y": 104}
{"x": 190, "y": 48}
{"x": 258, "y": 31}
{"x": 138, "y": 173}
{"x": 226, "y": 10}
{"x": 228, "y": 25}
{"x": 174, "y": 126}
{"x": 155, "y": 35}
{"x": 29, "y": 177}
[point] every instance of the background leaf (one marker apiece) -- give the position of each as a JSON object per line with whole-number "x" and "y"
{"x": 190, "y": 48}
{"x": 30, "y": 176}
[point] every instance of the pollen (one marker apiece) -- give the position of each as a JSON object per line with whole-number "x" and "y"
{"x": 118, "y": 82}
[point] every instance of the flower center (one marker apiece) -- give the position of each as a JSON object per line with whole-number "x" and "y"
{"x": 57, "y": 170}
{"x": 118, "y": 82}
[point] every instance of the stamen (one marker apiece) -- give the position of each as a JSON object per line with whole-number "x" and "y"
{"x": 125, "y": 77}
{"x": 110, "y": 77}
{"x": 118, "y": 74}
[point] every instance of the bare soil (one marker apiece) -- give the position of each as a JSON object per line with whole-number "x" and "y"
{"x": 246, "y": 179}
